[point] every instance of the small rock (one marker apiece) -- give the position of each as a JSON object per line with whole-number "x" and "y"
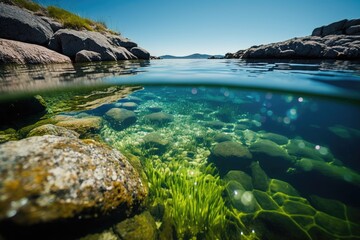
{"x": 129, "y": 105}
{"x": 83, "y": 126}
{"x": 222, "y": 137}
{"x": 140, "y": 53}
{"x": 87, "y": 56}
{"x": 155, "y": 142}
{"x": 140, "y": 227}
{"x": 120, "y": 118}
{"x": 158, "y": 118}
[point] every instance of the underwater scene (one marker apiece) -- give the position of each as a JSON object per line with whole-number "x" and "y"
{"x": 212, "y": 155}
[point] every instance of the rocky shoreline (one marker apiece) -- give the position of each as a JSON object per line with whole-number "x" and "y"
{"x": 26, "y": 37}
{"x": 339, "y": 40}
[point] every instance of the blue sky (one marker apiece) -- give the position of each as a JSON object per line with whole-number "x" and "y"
{"x": 182, "y": 27}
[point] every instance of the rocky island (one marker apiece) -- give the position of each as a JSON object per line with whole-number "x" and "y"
{"x": 30, "y": 33}
{"x": 338, "y": 40}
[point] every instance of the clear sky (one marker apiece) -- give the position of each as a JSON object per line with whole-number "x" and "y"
{"x": 182, "y": 27}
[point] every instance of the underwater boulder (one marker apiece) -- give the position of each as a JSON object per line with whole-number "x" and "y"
{"x": 230, "y": 156}
{"x": 84, "y": 126}
{"x": 214, "y": 124}
{"x": 155, "y": 142}
{"x": 260, "y": 179}
{"x": 129, "y": 105}
{"x": 22, "y": 109}
{"x": 239, "y": 198}
{"x": 222, "y": 137}
{"x": 240, "y": 177}
{"x": 141, "y": 227}
{"x": 303, "y": 149}
{"x": 50, "y": 129}
{"x": 120, "y": 118}
{"x": 276, "y": 138}
{"x": 158, "y": 118}
{"x": 277, "y": 185}
{"x": 272, "y": 157}
{"x": 65, "y": 178}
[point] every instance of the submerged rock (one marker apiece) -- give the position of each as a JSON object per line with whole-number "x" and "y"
{"x": 16, "y": 110}
{"x": 84, "y": 126}
{"x": 276, "y": 138}
{"x": 49, "y": 129}
{"x": 129, "y": 105}
{"x": 49, "y": 178}
{"x": 230, "y": 156}
{"x": 21, "y": 53}
{"x": 155, "y": 142}
{"x": 140, "y": 227}
{"x": 158, "y": 118}
{"x": 222, "y": 137}
{"x": 120, "y": 118}
{"x": 215, "y": 124}
{"x": 20, "y": 25}
{"x": 240, "y": 177}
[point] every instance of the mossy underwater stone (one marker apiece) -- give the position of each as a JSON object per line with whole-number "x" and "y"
{"x": 155, "y": 142}
{"x": 239, "y": 198}
{"x": 276, "y": 138}
{"x": 265, "y": 201}
{"x": 139, "y": 227}
{"x": 222, "y": 137}
{"x": 277, "y": 185}
{"x": 240, "y": 177}
{"x": 259, "y": 178}
{"x": 214, "y": 124}
{"x": 229, "y": 156}
{"x": 84, "y": 126}
{"x": 158, "y": 118}
{"x": 120, "y": 118}
{"x": 48, "y": 178}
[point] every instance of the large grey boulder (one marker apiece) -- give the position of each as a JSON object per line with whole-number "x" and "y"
{"x": 50, "y": 178}
{"x": 21, "y": 25}
{"x": 140, "y": 53}
{"x": 21, "y": 53}
{"x": 69, "y": 42}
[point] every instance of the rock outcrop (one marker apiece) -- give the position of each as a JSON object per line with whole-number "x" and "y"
{"x": 69, "y": 42}
{"x": 21, "y": 53}
{"x": 81, "y": 46}
{"x": 49, "y": 178}
{"x": 339, "y": 40}
{"x": 20, "y": 25}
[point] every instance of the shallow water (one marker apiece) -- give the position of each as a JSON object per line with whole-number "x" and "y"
{"x": 290, "y": 130}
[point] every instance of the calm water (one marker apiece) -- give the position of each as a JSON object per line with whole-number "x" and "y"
{"x": 231, "y": 149}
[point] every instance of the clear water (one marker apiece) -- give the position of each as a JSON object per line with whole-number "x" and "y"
{"x": 297, "y": 124}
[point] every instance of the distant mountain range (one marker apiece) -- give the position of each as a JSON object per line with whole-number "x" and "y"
{"x": 192, "y": 56}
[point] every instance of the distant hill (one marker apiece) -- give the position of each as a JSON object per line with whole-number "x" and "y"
{"x": 192, "y": 56}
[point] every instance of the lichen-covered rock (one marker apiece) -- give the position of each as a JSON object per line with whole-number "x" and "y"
{"x": 49, "y": 178}
{"x": 50, "y": 129}
{"x": 21, "y": 53}
{"x": 120, "y": 118}
{"x": 158, "y": 118}
{"x": 21, "y": 25}
{"x": 140, "y": 227}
